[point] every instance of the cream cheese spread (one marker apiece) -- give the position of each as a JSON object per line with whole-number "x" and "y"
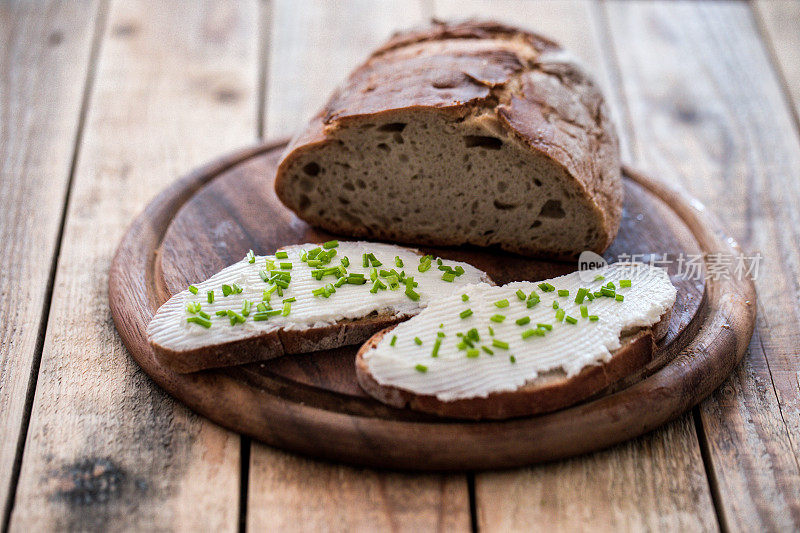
{"x": 195, "y": 317}
{"x": 486, "y": 339}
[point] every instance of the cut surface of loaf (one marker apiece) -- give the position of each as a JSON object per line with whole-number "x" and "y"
{"x": 485, "y": 362}
{"x": 471, "y": 133}
{"x": 304, "y": 298}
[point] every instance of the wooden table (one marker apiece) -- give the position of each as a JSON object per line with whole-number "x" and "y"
{"x": 102, "y": 104}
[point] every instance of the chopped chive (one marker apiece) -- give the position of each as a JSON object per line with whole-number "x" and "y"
{"x": 204, "y": 314}
{"x": 356, "y": 279}
{"x": 210, "y": 295}
{"x": 330, "y": 244}
{"x": 605, "y": 291}
{"x": 594, "y": 318}
{"x": 619, "y": 297}
{"x": 421, "y": 368}
{"x": 464, "y": 297}
{"x": 555, "y": 304}
{"x": 512, "y": 358}
{"x": 261, "y": 307}
{"x": 449, "y": 276}
{"x": 373, "y": 260}
{"x": 287, "y": 308}
{"x": 364, "y": 260}
{"x": 466, "y": 313}
{"x": 528, "y": 333}
{"x": 200, "y": 321}
{"x": 590, "y": 296}
{"x": 531, "y": 302}
{"x": 398, "y": 262}
{"x": 472, "y": 353}
{"x": 584, "y": 311}
{"x": 563, "y": 292}
{"x": 462, "y": 345}
{"x": 546, "y": 287}
{"x": 268, "y": 292}
{"x": 522, "y": 321}
{"x": 491, "y": 331}
{"x": 286, "y": 266}
{"x": 473, "y": 334}
{"x": 411, "y": 294}
{"x": 292, "y": 299}
{"x": 345, "y": 261}
{"x": 598, "y": 294}
{"x": 235, "y": 317}
{"x": 501, "y": 303}
{"x": 599, "y": 277}
{"x": 500, "y": 344}
{"x": 560, "y": 315}
{"x": 581, "y": 295}
{"x": 436, "y": 344}
{"x": 251, "y": 257}
{"x": 487, "y": 350}
{"x": 520, "y": 294}
{"x": 264, "y": 275}
{"x": 226, "y": 290}
{"x": 417, "y": 341}
{"x": 373, "y": 274}
{"x": 611, "y": 285}
{"x": 281, "y": 255}
{"x": 459, "y": 270}
{"x": 377, "y": 286}
{"x": 571, "y": 320}
{"x": 339, "y": 282}
{"x": 440, "y": 334}
{"x": 192, "y": 289}
{"x": 246, "y": 307}
{"x": 424, "y": 267}
{"x": 393, "y": 341}
{"x": 548, "y": 327}
{"x": 497, "y": 318}
{"x": 221, "y": 313}
{"x": 624, "y": 283}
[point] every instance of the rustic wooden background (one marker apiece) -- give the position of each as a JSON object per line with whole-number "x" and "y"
{"x": 104, "y": 103}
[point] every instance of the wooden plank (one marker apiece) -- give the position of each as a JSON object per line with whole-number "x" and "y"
{"x": 780, "y": 23}
{"x": 43, "y": 70}
{"x": 654, "y": 482}
{"x": 708, "y": 114}
{"x": 176, "y": 83}
{"x": 311, "y": 51}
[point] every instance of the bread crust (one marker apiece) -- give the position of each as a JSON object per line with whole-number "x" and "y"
{"x": 548, "y": 392}
{"x": 519, "y": 83}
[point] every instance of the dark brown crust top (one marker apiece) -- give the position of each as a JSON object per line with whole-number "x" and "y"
{"x": 524, "y": 83}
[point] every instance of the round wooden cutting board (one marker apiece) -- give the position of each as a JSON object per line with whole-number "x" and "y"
{"x": 312, "y": 403}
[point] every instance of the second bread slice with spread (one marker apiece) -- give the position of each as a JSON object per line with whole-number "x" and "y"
{"x": 523, "y": 348}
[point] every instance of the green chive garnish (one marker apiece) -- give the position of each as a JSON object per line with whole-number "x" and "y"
{"x": 192, "y": 289}
{"x": 200, "y": 321}
{"x": 421, "y": 368}
{"x": 464, "y": 297}
{"x": 345, "y": 261}
{"x": 611, "y": 285}
{"x": 555, "y": 304}
{"x": 412, "y": 294}
{"x": 398, "y": 262}
{"x": 246, "y": 307}
{"x": 424, "y": 267}
{"x": 520, "y": 294}
{"x": 393, "y": 341}
{"x": 560, "y": 315}
{"x": 528, "y": 333}
{"x": 501, "y": 303}
{"x": 497, "y": 318}
{"x": 571, "y": 320}
{"x": 226, "y": 290}
{"x": 221, "y": 313}
{"x": 473, "y": 334}
{"x": 624, "y": 283}
{"x": 605, "y": 291}
{"x": 287, "y": 308}
{"x": 522, "y": 321}
{"x": 487, "y": 350}
{"x": 472, "y": 353}
{"x": 436, "y": 344}
{"x": 581, "y": 295}
{"x": 330, "y": 244}
{"x": 563, "y": 292}
{"x": 512, "y": 358}
{"x": 584, "y": 311}
{"x": 449, "y": 276}
{"x": 210, "y": 295}
{"x": 594, "y": 318}
{"x": 546, "y": 287}
{"x": 619, "y": 297}
{"x": 286, "y": 266}
{"x": 599, "y": 277}
{"x": 418, "y": 341}
{"x": 281, "y": 255}
{"x": 251, "y": 257}
{"x": 548, "y": 327}
{"x": 491, "y": 331}
{"x": 500, "y": 344}
{"x": 465, "y": 313}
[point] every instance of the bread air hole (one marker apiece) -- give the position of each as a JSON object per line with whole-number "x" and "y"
{"x": 393, "y": 126}
{"x": 312, "y": 169}
{"x": 552, "y": 209}
{"x": 503, "y": 206}
{"x": 480, "y": 141}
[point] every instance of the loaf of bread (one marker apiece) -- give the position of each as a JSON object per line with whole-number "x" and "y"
{"x": 470, "y": 133}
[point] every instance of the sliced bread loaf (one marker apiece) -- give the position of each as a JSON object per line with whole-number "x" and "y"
{"x": 471, "y": 133}
{"x": 502, "y": 353}
{"x": 302, "y": 299}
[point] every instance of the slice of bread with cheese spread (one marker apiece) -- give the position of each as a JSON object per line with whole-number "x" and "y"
{"x": 490, "y": 352}
{"x": 302, "y": 299}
